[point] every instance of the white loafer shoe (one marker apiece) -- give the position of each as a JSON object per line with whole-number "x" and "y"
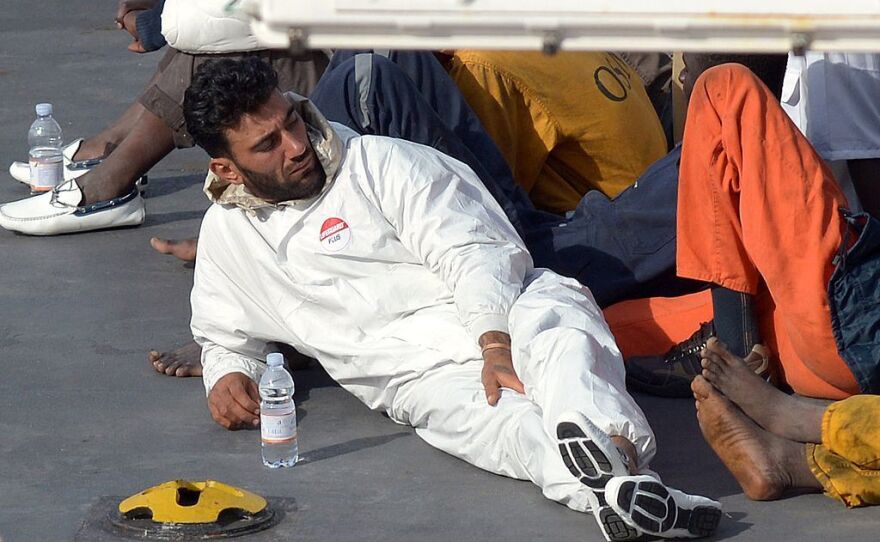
{"x": 58, "y": 211}
{"x": 21, "y": 171}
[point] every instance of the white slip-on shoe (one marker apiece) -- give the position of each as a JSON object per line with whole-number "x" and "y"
{"x": 645, "y": 503}
{"x": 592, "y": 458}
{"x": 21, "y": 171}
{"x": 59, "y": 211}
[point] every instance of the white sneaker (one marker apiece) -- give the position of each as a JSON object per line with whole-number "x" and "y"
{"x": 645, "y": 503}
{"x": 59, "y": 211}
{"x": 592, "y": 458}
{"x": 21, "y": 171}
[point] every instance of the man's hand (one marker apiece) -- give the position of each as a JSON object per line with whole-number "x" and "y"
{"x": 234, "y": 402}
{"x": 498, "y": 369}
{"x": 126, "y": 19}
{"x": 124, "y": 6}
{"x": 129, "y": 24}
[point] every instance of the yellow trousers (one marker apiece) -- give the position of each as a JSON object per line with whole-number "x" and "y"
{"x": 847, "y": 463}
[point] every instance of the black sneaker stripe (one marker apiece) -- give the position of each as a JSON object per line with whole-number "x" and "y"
{"x": 645, "y": 522}
{"x": 625, "y": 495}
{"x": 704, "y": 520}
{"x": 614, "y": 527}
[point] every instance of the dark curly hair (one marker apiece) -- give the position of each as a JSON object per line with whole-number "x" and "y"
{"x": 221, "y": 92}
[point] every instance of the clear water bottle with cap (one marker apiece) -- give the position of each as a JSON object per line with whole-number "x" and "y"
{"x": 278, "y": 415}
{"x": 45, "y": 157}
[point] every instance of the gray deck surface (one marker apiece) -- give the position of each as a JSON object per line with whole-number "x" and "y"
{"x": 82, "y": 415}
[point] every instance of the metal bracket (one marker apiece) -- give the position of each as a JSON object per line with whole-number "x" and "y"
{"x": 800, "y": 42}
{"x": 296, "y": 41}
{"x": 551, "y": 43}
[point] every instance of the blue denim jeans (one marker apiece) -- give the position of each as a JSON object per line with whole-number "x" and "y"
{"x": 854, "y": 297}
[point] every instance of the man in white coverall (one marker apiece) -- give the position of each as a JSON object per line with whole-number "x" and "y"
{"x": 392, "y": 265}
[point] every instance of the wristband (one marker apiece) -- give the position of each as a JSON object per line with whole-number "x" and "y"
{"x": 493, "y": 346}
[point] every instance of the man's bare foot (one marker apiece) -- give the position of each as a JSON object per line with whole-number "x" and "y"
{"x": 183, "y": 249}
{"x": 187, "y": 360}
{"x": 764, "y": 465}
{"x": 184, "y": 361}
{"x": 781, "y": 414}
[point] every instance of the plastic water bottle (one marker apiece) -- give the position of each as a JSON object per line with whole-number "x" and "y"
{"x": 45, "y": 157}
{"x": 278, "y": 415}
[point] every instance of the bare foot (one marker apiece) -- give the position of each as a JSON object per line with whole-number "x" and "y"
{"x": 764, "y": 465}
{"x": 187, "y": 360}
{"x": 781, "y": 414}
{"x": 183, "y": 249}
{"x": 184, "y": 361}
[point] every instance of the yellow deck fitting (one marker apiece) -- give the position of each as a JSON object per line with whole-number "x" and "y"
{"x": 185, "y": 501}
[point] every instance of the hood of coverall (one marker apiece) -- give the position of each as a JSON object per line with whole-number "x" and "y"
{"x": 326, "y": 142}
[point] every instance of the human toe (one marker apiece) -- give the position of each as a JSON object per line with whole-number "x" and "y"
{"x": 701, "y": 388}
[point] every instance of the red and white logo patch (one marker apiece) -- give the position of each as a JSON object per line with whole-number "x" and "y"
{"x": 335, "y": 234}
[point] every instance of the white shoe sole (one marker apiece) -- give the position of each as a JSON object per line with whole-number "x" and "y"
{"x": 592, "y": 458}
{"x": 645, "y": 503}
{"x": 588, "y": 452}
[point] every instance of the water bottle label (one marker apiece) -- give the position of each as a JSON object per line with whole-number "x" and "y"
{"x": 278, "y": 427}
{"x": 46, "y": 175}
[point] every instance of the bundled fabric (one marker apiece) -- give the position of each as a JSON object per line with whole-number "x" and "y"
{"x": 206, "y": 26}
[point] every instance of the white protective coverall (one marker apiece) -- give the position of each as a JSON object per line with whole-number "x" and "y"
{"x": 388, "y": 278}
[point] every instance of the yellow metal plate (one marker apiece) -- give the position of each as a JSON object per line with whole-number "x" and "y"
{"x": 185, "y": 501}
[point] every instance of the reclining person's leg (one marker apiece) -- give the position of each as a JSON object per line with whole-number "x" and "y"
{"x": 566, "y": 356}
{"x": 757, "y": 204}
{"x": 571, "y": 368}
{"x": 448, "y": 408}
